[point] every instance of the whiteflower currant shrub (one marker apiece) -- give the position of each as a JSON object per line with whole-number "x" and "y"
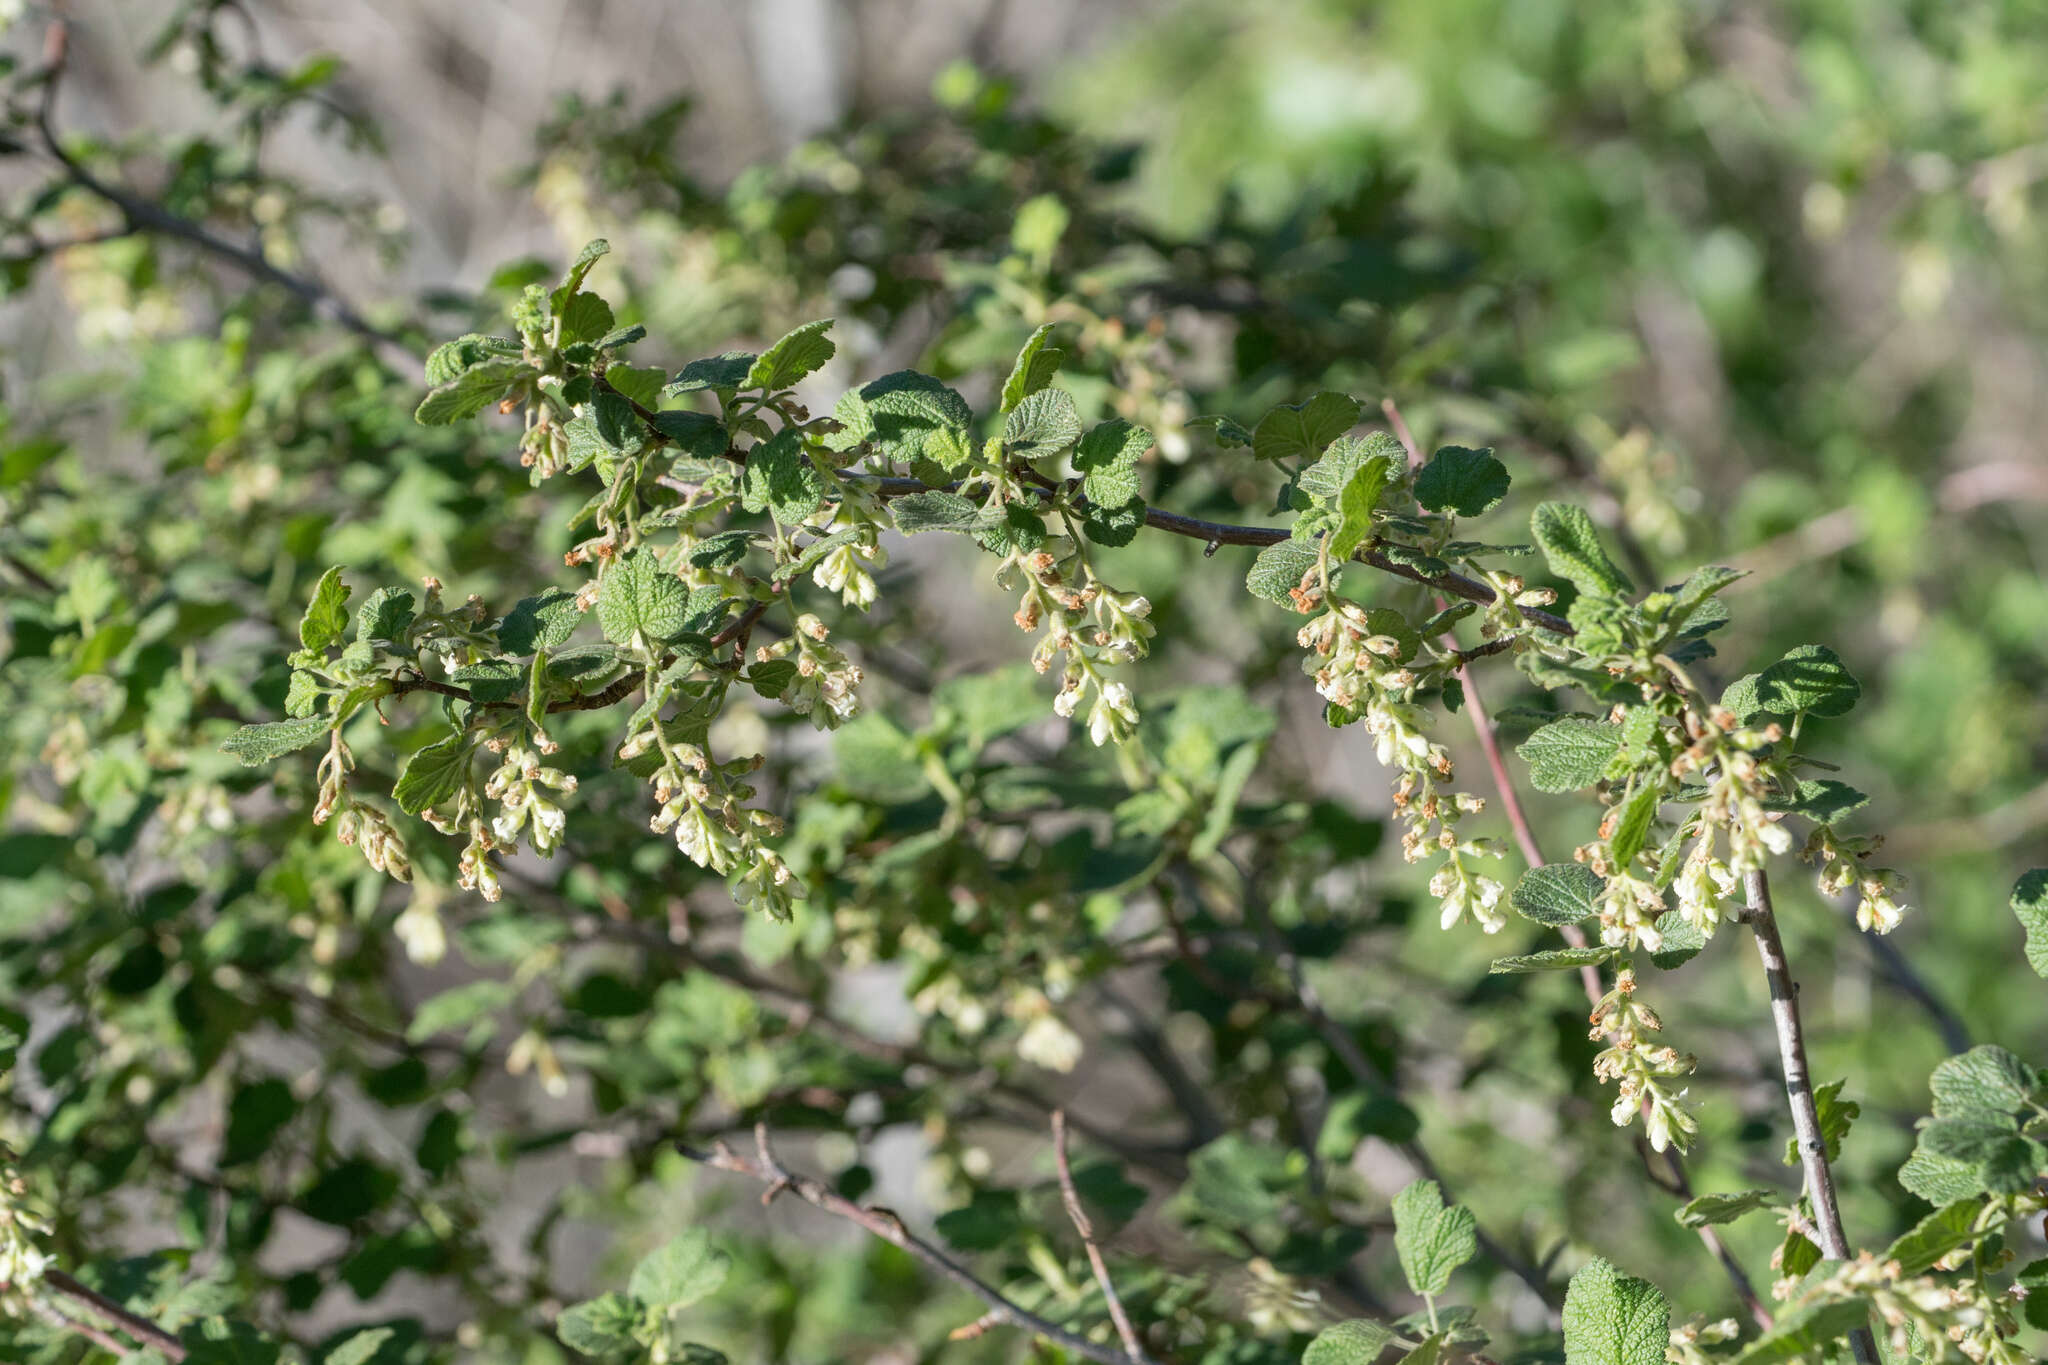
{"x": 723, "y": 510}
{"x": 718, "y": 499}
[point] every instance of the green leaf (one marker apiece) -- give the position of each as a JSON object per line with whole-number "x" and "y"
{"x": 1278, "y": 570}
{"x": 359, "y": 1347}
{"x": 1986, "y": 1080}
{"x": 1810, "y": 679}
{"x": 1683, "y": 941}
{"x": 543, "y": 621}
{"x": 1327, "y": 478}
{"x": 1043, "y": 425}
{"x": 1040, "y": 223}
{"x": 936, "y": 510}
{"x": 1805, "y": 1333}
{"x": 1566, "y": 536}
{"x": 916, "y": 417}
{"x": 797, "y": 354}
{"x": 593, "y": 251}
{"x": 1558, "y": 893}
{"x": 1614, "y": 1319}
{"x": 1108, "y": 461}
{"x": 781, "y": 478}
{"x": 1461, "y": 482}
{"x": 681, "y": 1272}
{"x": 1432, "y": 1240}
{"x": 1301, "y": 430}
{"x": 636, "y": 385}
{"x": 1836, "y": 1115}
{"x": 1935, "y": 1236}
{"x": 1699, "y": 588}
{"x": 695, "y": 435}
{"x": 386, "y": 614}
{"x": 1569, "y": 753}
{"x": 2030, "y": 905}
{"x": 1355, "y": 504}
{"x": 1710, "y": 1210}
{"x": 451, "y": 358}
{"x": 1036, "y": 364}
{"x": 254, "y": 744}
{"x": 470, "y": 392}
{"x": 490, "y": 680}
{"x": 584, "y": 317}
{"x": 454, "y": 1008}
{"x": 1230, "y": 433}
{"x": 599, "y": 1326}
{"x": 641, "y": 598}
{"x": 1941, "y": 1179}
{"x": 1632, "y": 831}
{"x": 256, "y": 1115}
{"x": 1357, "y": 1342}
{"x": 327, "y": 614}
{"x": 723, "y": 373}
{"x": 1821, "y": 800}
{"x": 1554, "y": 960}
{"x": 433, "y": 774}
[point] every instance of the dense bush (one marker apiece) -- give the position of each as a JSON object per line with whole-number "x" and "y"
{"x": 1115, "y": 1006}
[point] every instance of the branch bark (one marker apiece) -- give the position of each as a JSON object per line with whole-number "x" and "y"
{"x": 1813, "y": 1153}
{"x": 767, "y": 1169}
{"x": 98, "y": 1304}
{"x": 1071, "y": 1197}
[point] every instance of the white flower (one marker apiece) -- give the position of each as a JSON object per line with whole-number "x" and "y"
{"x": 1049, "y": 1043}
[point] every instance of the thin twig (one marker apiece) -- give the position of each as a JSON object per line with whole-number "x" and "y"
{"x": 883, "y": 1223}
{"x": 140, "y": 214}
{"x": 1813, "y": 1152}
{"x": 1079, "y": 1216}
{"x": 142, "y": 1329}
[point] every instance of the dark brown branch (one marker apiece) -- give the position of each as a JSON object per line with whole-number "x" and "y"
{"x": 1079, "y": 1216}
{"x": 142, "y": 1329}
{"x": 1813, "y": 1152}
{"x": 883, "y": 1223}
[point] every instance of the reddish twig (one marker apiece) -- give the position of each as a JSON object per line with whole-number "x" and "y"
{"x": 1079, "y": 1216}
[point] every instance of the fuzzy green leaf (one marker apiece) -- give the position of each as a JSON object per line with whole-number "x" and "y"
{"x": 1108, "y": 461}
{"x": 1355, "y": 505}
{"x": 936, "y": 510}
{"x": 1554, "y": 960}
{"x": 1614, "y": 1319}
{"x": 680, "y": 1272}
{"x": 1821, "y": 800}
{"x": 1986, "y": 1080}
{"x": 599, "y": 1326}
{"x": 254, "y": 744}
{"x": 1557, "y": 893}
{"x": 1810, "y": 679}
{"x": 914, "y": 417}
{"x": 722, "y": 373}
{"x": 1569, "y": 753}
{"x": 2030, "y": 905}
{"x": 1327, "y": 478}
{"x": 433, "y": 774}
{"x": 470, "y": 392}
{"x": 1301, "y": 430}
{"x": 1709, "y": 1210}
{"x": 780, "y": 478}
{"x": 1935, "y": 1236}
{"x": 1043, "y": 425}
{"x": 360, "y": 1347}
{"x": 1037, "y": 363}
{"x": 1461, "y": 482}
{"x": 640, "y": 597}
{"x": 797, "y": 354}
{"x": 1632, "y": 830}
{"x": 1357, "y": 1342}
{"x": 327, "y": 614}
{"x": 386, "y": 614}
{"x": 1278, "y": 570}
{"x": 1566, "y": 536}
{"x": 544, "y": 621}
{"x": 1432, "y": 1240}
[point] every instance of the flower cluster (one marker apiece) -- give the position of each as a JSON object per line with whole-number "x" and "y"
{"x": 523, "y": 789}
{"x": 826, "y": 684}
{"x": 1918, "y": 1309}
{"x": 1095, "y": 626}
{"x": 1641, "y": 1066}
{"x": 703, "y": 804}
{"x": 22, "y": 1261}
{"x": 1360, "y": 660}
{"x": 1841, "y": 859}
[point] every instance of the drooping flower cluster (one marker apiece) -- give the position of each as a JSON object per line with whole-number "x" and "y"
{"x": 826, "y": 684}
{"x": 1842, "y": 859}
{"x": 1359, "y": 659}
{"x": 359, "y": 824}
{"x": 703, "y": 804}
{"x": 1094, "y": 626}
{"x": 1640, "y": 1066}
{"x": 22, "y": 1261}
{"x": 1959, "y": 1313}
